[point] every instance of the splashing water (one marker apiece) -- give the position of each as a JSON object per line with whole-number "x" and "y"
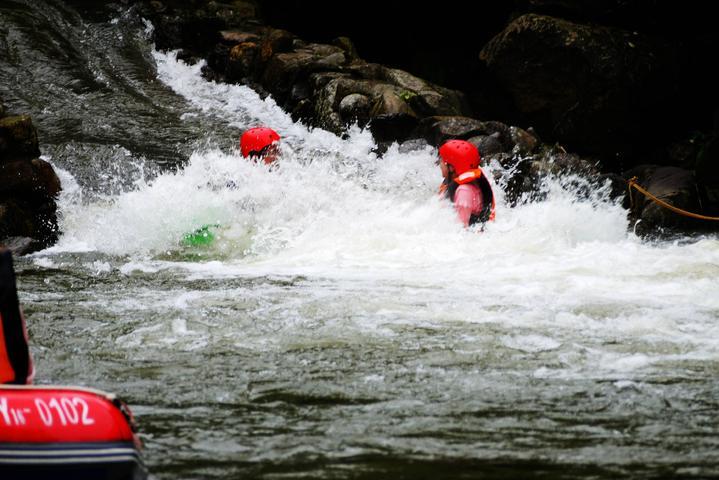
{"x": 344, "y": 323}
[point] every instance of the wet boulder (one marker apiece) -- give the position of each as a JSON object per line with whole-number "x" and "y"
{"x": 488, "y": 145}
{"x": 18, "y": 137}
{"x": 675, "y": 186}
{"x": 28, "y": 178}
{"x": 525, "y": 173}
{"x": 439, "y": 129}
{"x": 275, "y": 41}
{"x": 235, "y": 37}
{"x": 413, "y": 145}
{"x": 425, "y": 98}
{"x": 326, "y": 90}
{"x": 28, "y": 187}
{"x": 346, "y": 44}
{"x": 241, "y": 61}
{"x": 594, "y": 88}
{"x": 355, "y": 108}
{"x": 371, "y": 95}
{"x": 524, "y": 141}
{"x": 284, "y": 70}
{"x": 341, "y": 99}
{"x": 391, "y": 117}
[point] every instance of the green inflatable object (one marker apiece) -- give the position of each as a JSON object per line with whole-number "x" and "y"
{"x": 201, "y": 237}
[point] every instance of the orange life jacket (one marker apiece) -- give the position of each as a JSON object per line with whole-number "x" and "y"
{"x": 477, "y": 177}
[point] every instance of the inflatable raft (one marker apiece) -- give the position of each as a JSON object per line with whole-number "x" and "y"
{"x": 67, "y": 432}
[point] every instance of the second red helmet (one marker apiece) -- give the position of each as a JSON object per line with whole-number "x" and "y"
{"x": 461, "y": 154}
{"x": 255, "y": 139}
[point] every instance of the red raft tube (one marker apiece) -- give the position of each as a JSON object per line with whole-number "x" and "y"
{"x": 67, "y": 432}
{"x": 55, "y": 432}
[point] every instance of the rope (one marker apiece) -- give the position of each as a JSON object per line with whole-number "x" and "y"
{"x": 632, "y": 183}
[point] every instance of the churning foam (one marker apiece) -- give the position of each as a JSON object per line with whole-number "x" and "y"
{"x": 331, "y": 203}
{"x": 550, "y": 272}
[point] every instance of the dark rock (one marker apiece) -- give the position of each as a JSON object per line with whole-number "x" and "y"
{"x": 392, "y": 127}
{"x": 341, "y": 99}
{"x": 35, "y": 180}
{"x": 283, "y": 70}
{"x": 233, "y": 37}
{"x": 2, "y": 109}
{"x": 439, "y": 129}
{"x": 527, "y": 172}
{"x": 48, "y": 183}
{"x": 18, "y": 138}
{"x": 390, "y": 102}
{"x": 275, "y": 41}
{"x": 328, "y": 89}
{"x": 187, "y": 56}
{"x": 325, "y": 99}
{"x": 425, "y": 98}
{"x": 217, "y": 61}
{"x": 303, "y": 111}
{"x": 416, "y": 144}
{"x": 675, "y": 186}
{"x": 592, "y": 87}
{"x": 488, "y": 144}
{"x": 355, "y": 108}
{"x": 28, "y": 187}
{"x": 392, "y": 119}
{"x": 367, "y": 71}
{"x": 524, "y": 141}
{"x": 241, "y": 61}
{"x": 19, "y": 218}
{"x": 300, "y": 91}
{"x": 555, "y": 161}
{"x": 345, "y": 43}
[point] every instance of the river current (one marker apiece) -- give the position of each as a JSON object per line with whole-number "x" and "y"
{"x": 343, "y": 324}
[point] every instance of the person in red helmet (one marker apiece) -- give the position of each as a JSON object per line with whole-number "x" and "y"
{"x": 465, "y": 184}
{"x": 260, "y": 143}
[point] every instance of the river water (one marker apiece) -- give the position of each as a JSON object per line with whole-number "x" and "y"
{"x": 342, "y": 325}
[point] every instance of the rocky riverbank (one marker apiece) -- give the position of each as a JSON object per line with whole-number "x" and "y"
{"x": 576, "y": 82}
{"x": 28, "y": 187}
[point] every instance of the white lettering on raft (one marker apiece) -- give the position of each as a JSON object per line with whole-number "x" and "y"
{"x": 66, "y": 411}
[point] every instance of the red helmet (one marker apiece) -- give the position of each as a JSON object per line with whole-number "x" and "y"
{"x": 255, "y": 139}
{"x": 460, "y": 154}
